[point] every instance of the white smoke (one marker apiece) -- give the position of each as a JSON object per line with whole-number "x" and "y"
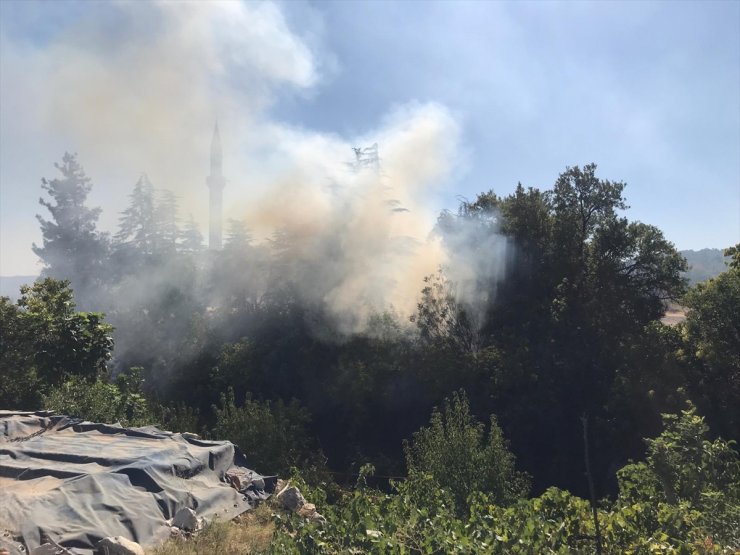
{"x": 142, "y": 93}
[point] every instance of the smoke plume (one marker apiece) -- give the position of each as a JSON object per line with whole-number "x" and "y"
{"x": 136, "y": 87}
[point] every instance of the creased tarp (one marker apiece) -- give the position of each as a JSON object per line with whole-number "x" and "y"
{"x": 78, "y": 482}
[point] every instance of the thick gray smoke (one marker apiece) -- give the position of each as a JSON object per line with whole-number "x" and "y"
{"x": 145, "y": 98}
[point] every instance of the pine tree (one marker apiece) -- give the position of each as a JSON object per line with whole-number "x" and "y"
{"x": 238, "y": 238}
{"x": 72, "y": 246}
{"x": 138, "y": 223}
{"x": 192, "y": 238}
{"x": 166, "y": 221}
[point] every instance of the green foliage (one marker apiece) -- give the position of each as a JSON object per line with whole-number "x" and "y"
{"x": 100, "y": 401}
{"x": 712, "y": 345}
{"x": 45, "y": 341}
{"x": 273, "y": 434}
{"x": 179, "y": 418}
{"x": 64, "y": 342}
{"x": 455, "y": 451}
{"x": 568, "y": 325}
{"x": 420, "y": 516}
{"x": 687, "y": 472}
{"x": 734, "y": 254}
{"x": 20, "y": 382}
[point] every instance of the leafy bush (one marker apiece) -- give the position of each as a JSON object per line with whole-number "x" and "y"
{"x": 44, "y": 341}
{"x": 455, "y": 451}
{"x": 273, "y": 434}
{"x": 687, "y": 472}
{"x": 712, "y": 343}
{"x": 418, "y": 518}
{"x": 179, "y": 418}
{"x": 422, "y": 515}
{"x": 100, "y": 401}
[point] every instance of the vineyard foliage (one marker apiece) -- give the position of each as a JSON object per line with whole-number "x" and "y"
{"x": 684, "y": 499}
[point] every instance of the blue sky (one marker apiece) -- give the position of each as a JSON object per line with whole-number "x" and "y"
{"x": 648, "y": 91}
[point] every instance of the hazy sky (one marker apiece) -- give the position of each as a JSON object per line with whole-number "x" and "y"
{"x": 508, "y": 91}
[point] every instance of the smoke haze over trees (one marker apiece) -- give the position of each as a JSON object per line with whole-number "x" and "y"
{"x": 359, "y": 320}
{"x": 338, "y": 335}
{"x": 544, "y": 305}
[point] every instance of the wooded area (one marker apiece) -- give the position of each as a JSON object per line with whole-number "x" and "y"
{"x": 226, "y": 344}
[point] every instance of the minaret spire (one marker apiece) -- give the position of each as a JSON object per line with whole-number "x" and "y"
{"x": 216, "y": 155}
{"x": 216, "y": 182}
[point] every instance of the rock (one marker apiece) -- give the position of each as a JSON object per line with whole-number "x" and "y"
{"x": 241, "y": 479}
{"x": 185, "y": 519}
{"x": 235, "y": 480}
{"x": 309, "y": 511}
{"x": 291, "y": 498}
{"x": 118, "y": 545}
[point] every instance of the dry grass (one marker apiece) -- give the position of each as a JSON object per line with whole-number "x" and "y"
{"x": 250, "y": 533}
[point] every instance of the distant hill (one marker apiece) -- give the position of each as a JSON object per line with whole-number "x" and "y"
{"x": 704, "y": 264}
{"x": 10, "y": 285}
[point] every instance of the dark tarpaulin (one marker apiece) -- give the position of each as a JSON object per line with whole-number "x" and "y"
{"x": 78, "y": 482}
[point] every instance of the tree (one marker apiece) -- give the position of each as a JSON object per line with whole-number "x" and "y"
{"x": 442, "y": 320}
{"x": 581, "y": 287}
{"x": 138, "y": 223}
{"x": 100, "y": 401}
{"x": 274, "y": 432}
{"x": 734, "y": 254}
{"x": 166, "y": 221}
{"x": 72, "y": 247}
{"x": 45, "y": 341}
{"x": 19, "y": 383}
{"x": 456, "y": 452}
{"x": 65, "y": 342}
{"x": 712, "y": 345}
{"x": 684, "y": 468}
{"x": 238, "y": 238}
{"x": 192, "y": 238}
{"x": 239, "y": 271}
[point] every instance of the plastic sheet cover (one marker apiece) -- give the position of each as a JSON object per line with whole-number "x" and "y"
{"x": 77, "y": 482}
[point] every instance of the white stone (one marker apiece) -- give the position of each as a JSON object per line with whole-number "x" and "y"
{"x": 118, "y": 545}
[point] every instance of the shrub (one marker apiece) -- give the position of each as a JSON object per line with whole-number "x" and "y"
{"x": 100, "y": 401}
{"x": 273, "y": 435}
{"x": 683, "y": 469}
{"x": 456, "y": 452}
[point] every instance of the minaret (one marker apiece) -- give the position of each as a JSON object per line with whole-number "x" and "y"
{"x": 216, "y": 184}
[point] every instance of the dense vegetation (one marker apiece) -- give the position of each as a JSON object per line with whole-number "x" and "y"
{"x": 565, "y": 354}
